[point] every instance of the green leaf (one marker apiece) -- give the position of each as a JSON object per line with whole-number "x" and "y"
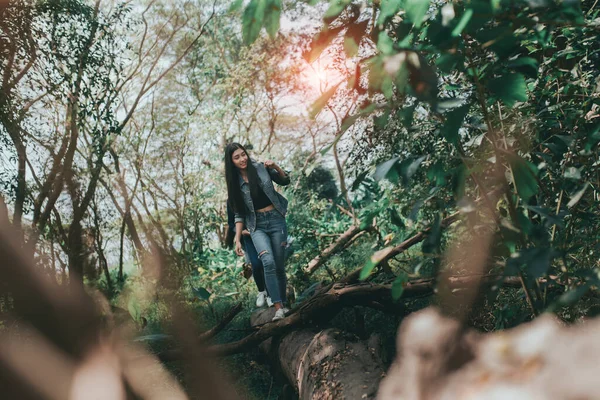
{"x": 408, "y": 167}
{"x": 386, "y": 170}
{"x": 398, "y": 285}
{"x": 432, "y": 242}
{"x": 252, "y": 20}
{"x": 538, "y": 262}
{"x": 348, "y": 122}
{"x": 523, "y": 221}
{"x": 385, "y": 44}
{"x": 577, "y": 196}
{"x": 416, "y": 10}
{"x": 509, "y": 88}
{"x": 327, "y": 148}
{"x": 406, "y": 115}
{"x": 528, "y": 65}
{"x": 354, "y": 35}
{"x": 320, "y": 42}
{"x": 392, "y": 170}
{"x": 335, "y": 8}
{"x": 272, "y": 17}
{"x": 447, "y": 62}
{"x": 236, "y": 5}
{"x": 436, "y": 174}
{"x": 534, "y": 262}
{"x": 350, "y": 46}
{"x": 382, "y": 120}
{"x": 322, "y": 101}
{"x": 466, "y": 17}
{"x": 201, "y": 293}
{"x": 387, "y": 9}
{"x": 571, "y": 297}
{"x": 458, "y": 181}
{"x": 359, "y": 179}
{"x": 376, "y": 73}
{"x": 133, "y": 306}
{"x": 500, "y": 39}
{"x": 552, "y": 218}
{"x": 387, "y": 87}
{"x": 374, "y": 261}
{"x": 454, "y": 121}
{"x": 395, "y": 218}
{"x": 367, "y": 219}
{"x": 414, "y": 211}
{"x": 525, "y": 177}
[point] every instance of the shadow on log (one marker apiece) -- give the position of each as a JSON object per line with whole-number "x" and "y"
{"x": 325, "y": 364}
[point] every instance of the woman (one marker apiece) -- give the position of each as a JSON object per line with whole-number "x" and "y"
{"x": 257, "y": 204}
{"x": 251, "y": 257}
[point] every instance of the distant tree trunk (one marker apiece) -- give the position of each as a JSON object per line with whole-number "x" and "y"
{"x": 99, "y": 250}
{"x": 120, "y": 276}
{"x": 75, "y": 254}
{"x": 76, "y": 247}
{"x": 21, "y": 183}
{"x": 3, "y": 212}
{"x": 53, "y": 261}
{"x": 125, "y": 213}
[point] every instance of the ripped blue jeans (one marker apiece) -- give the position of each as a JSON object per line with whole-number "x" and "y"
{"x": 270, "y": 239}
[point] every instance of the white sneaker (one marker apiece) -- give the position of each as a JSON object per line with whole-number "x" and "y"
{"x": 260, "y": 299}
{"x": 269, "y": 302}
{"x": 285, "y": 310}
{"x": 279, "y": 314}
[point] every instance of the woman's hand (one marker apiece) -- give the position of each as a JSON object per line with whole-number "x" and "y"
{"x": 245, "y": 232}
{"x": 238, "y": 248}
{"x": 271, "y": 164}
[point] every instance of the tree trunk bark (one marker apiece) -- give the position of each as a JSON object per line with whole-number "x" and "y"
{"x": 325, "y": 364}
{"x": 75, "y": 254}
{"x": 120, "y": 276}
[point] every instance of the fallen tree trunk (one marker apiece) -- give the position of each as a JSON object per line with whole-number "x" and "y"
{"x": 319, "y": 308}
{"x": 324, "y": 305}
{"x": 333, "y": 364}
{"x": 325, "y": 364}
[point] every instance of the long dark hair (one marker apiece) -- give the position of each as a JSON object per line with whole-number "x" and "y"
{"x": 232, "y": 176}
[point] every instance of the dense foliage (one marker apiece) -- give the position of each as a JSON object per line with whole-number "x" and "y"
{"x": 460, "y": 99}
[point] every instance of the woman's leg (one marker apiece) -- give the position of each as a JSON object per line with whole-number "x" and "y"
{"x": 262, "y": 243}
{"x": 257, "y": 267}
{"x": 278, "y": 235}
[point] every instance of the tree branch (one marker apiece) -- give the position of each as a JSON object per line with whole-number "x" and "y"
{"x": 336, "y": 246}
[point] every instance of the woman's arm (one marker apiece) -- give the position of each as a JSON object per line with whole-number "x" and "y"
{"x": 239, "y": 227}
{"x": 277, "y": 174}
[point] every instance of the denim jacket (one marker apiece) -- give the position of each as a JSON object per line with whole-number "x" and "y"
{"x": 266, "y": 176}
